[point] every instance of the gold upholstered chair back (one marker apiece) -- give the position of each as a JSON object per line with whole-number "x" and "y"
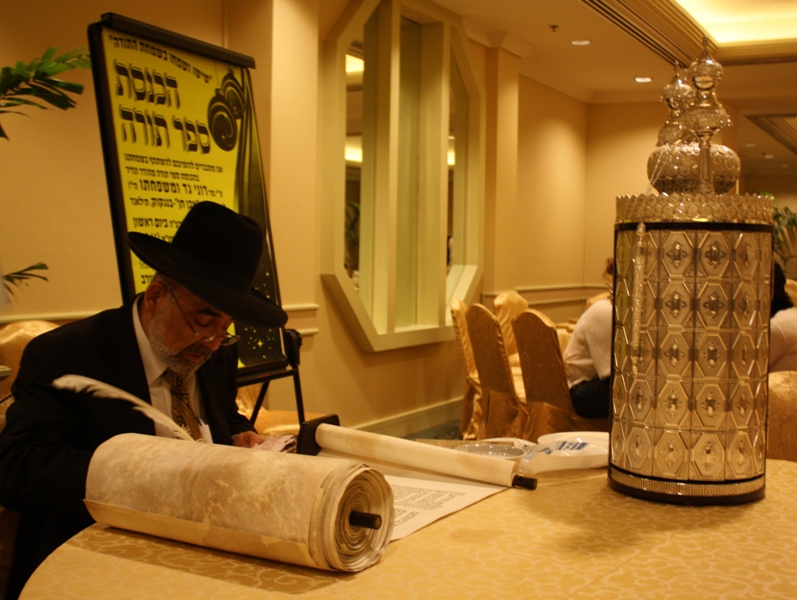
{"x": 13, "y": 339}
{"x": 540, "y": 361}
{"x": 472, "y": 409}
{"x": 507, "y": 306}
{"x": 459, "y": 311}
{"x": 505, "y": 407}
{"x": 268, "y": 421}
{"x": 791, "y": 290}
{"x": 563, "y": 333}
{"x": 782, "y": 416}
{"x": 545, "y": 381}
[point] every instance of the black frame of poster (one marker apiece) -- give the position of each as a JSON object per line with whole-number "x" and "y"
{"x": 281, "y": 355}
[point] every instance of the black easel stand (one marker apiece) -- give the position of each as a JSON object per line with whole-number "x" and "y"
{"x": 306, "y": 443}
{"x": 293, "y": 342}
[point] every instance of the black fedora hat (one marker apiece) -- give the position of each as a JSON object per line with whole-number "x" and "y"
{"x": 215, "y": 255}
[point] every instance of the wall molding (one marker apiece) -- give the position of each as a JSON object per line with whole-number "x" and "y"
{"x": 551, "y": 295}
{"x": 59, "y": 318}
{"x": 303, "y": 317}
{"x": 304, "y": 323}
{"x": 308, "y": 306}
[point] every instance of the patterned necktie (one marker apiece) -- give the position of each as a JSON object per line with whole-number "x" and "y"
{"x": 182, "y": 413}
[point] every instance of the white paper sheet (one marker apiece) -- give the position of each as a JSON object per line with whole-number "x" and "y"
{"x": 419, "y": 502}
{"x": 423, "y": 497}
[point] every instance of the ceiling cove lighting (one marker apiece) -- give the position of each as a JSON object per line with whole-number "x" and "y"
{"x": 735, "y": 22}
{"x": 354, "y": 64}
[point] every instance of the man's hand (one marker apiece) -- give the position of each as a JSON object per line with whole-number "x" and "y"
{"x": 248, "y": 439}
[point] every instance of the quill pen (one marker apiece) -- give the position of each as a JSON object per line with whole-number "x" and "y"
{"x": 79, "y": 383}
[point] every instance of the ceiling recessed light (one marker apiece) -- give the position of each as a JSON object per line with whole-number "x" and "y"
{"x": 580, "y": 42}
{"x": 785, "y": 166}
{"x": 642, "y": 79}
{"x": 769, "y": 156}
{"x": 749, "y": 145}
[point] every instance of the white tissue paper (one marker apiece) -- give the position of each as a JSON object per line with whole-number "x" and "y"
{"x": 566, "y": 453}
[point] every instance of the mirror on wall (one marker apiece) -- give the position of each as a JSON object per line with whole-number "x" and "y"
{"x": 409, "y": 238}
{"x": 355, "y": 67}
{"x": 456, "y": 160}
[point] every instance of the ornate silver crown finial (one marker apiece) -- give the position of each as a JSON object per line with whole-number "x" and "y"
{"x": 705, "y": 116}
{"x": 685, "y": 160}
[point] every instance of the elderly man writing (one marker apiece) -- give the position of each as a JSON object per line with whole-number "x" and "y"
{"x": 168, "y": 346}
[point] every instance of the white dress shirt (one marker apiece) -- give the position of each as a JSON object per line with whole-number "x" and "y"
{"x": 159, "y": 390}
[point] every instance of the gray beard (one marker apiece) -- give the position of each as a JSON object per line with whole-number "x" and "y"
{"x": 174, "y": 359}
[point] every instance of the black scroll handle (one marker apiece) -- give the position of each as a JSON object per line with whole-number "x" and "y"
{"x": 306, "y": 444}
{"x": 520, "y": 481}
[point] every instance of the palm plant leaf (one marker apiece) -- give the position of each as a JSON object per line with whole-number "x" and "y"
{"x": 35, "y": 83}
{"x": 785, "y": 233}
{"x": 21, "y": 277}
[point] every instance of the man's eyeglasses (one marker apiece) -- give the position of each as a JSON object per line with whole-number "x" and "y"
{"x": 202, "y": 332}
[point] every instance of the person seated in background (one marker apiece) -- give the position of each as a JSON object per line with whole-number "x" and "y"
{"x": 782, "y": 326}
{"x": 168, "y": 346}
{"x": 608, "y": 279}
{"x": 588, "y": 357}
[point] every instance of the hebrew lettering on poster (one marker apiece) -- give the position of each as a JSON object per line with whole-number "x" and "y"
{"x": 178, "y": 127}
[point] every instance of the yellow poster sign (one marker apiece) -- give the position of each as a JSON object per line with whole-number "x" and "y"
{"x": 178, "y": 128}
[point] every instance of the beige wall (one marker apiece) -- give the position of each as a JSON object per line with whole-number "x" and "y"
{"x": 55, "y": 205}
{"x": 500, "y": 200}
{"x": 554, "y": 185}
{"x": 783, "y": 187}
{"x": 551, "y": 183}
{"x": 620, "y": 137}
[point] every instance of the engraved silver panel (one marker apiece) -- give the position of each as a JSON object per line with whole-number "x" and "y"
{"x": 691, "y": 357}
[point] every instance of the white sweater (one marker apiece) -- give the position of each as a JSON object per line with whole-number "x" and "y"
{"x": 783, "y": 340}
{"x": 589, "y": 352}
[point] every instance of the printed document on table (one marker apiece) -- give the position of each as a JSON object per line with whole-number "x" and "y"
{"x": 419, "y": 502}
{"x": 422, "y": 497}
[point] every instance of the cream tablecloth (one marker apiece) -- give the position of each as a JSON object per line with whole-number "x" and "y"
{"x": 571, "y": 538}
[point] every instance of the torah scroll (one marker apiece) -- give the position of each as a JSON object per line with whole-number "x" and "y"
{"x": 284, "y": 507}
{"x": 414, "y": 455}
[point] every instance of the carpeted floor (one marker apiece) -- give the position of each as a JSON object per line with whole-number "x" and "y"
{"x": 446, "y": 431}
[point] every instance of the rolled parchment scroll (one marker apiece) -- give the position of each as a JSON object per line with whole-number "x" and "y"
{"x": 407, "y": 453}
{"x": 284, "y": 507}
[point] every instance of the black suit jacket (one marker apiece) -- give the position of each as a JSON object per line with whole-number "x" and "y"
{"x": 50, "y": 435}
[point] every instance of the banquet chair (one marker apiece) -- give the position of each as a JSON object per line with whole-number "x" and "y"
{"x": 791, "y": 290}
{"x": 13, "y": 339}
{"x": 507, "y": 306}
{"x": 472, "y": 406}
{"x": 782, "y": 417}
{"x": 268, "y": 421}
{"x": 504, "y": 402}
{"x": 563, "y": 331}
{"x": 544, "y": 380}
